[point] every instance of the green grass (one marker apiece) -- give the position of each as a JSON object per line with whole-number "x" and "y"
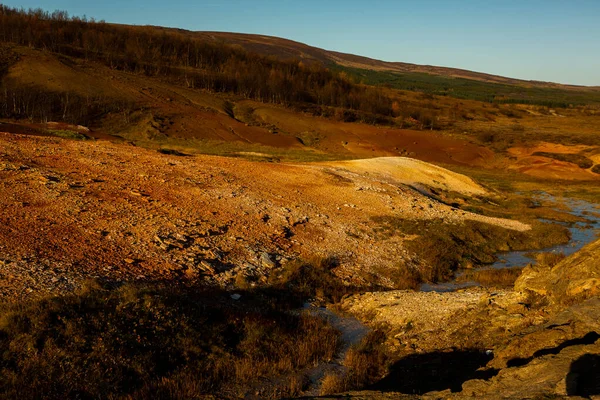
{"x": 473, "y": 90}
{"x": 67, "y": 134}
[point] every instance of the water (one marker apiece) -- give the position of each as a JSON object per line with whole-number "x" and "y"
{"x": 582, "y": 233}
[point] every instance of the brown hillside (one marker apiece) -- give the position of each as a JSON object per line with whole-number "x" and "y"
{"x": 285, "y": 48}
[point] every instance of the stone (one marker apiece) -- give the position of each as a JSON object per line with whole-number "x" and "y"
{"x": 207, "y": 266}
{"x": 266, "y": 261}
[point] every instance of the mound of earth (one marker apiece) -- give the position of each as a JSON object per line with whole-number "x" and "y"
{"x": 411, "y": 171}
{"x": 556, "y": 161}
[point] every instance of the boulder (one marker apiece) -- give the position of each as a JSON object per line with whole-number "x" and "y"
{"x": 573, "y": 280}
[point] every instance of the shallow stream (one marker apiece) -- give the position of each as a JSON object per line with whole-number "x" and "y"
{"x": 582, "y": 233}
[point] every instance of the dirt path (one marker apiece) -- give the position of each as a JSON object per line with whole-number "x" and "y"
{"x": 352, "y": 332}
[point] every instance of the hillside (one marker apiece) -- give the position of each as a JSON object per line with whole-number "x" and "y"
{"x": 206, "y": 215}
{"x": 438, "y": 80}
{"x": 285, "y": 48}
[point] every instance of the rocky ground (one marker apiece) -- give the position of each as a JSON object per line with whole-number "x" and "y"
{"x": 74, "y": 210}
{"x": 542, "y": 339}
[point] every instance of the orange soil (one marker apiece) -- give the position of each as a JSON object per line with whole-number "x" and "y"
{"x": 79, "y": 209}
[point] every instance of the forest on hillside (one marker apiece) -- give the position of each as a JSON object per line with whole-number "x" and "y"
{"x": 189, "y": 61}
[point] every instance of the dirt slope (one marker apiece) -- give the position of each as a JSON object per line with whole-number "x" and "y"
{"x": 79, "y": 209}
{"x": 411, "y": 171}
{"x": 173, "y": 116}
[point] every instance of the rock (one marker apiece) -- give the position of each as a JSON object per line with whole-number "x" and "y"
{"x": 236, "y": 296}
{"x": 7, "y": 167}
{"x": 191, "y": 273}
{"x": 207, "y": 267}
{"x": 266, "y": 261}
{"x": 574, "y": 279}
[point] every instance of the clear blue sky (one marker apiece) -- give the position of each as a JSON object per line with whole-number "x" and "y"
{"x": 549, "y": 40}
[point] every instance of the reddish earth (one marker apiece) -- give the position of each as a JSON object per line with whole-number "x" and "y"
{"x": 79, "y": 209}
{"x": 527, "y": 162}
{"x": 171, "y": 116}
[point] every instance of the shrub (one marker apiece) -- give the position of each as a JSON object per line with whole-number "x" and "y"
{"x": 504, "y": 277}
{"x": 314, "y": 278}
{"x": 333, "y": 383}
{"x": 154, "y": 343}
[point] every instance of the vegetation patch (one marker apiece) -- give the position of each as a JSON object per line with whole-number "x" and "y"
{"x": 315, "y": 278}
{"x": 172, "y": 152}
{"x": 66, "y": 134}
{"x": 189, "y": 61}
{"x": 147, "y": 343}
{"x": 503, "y": 278}
{"x": 41, "y": 105}
{"x": 366, "y": 363}
{"x": 473, "y": 89}
{"x": 444, "y": 248}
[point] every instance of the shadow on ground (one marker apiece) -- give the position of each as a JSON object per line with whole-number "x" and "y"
{"x": 422, "y": 373}
{"x": 589, "y": 338}
{"x": 584, "y": 376}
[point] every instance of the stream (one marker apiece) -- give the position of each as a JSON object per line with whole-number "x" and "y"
{"x": 582, "y": 233}
{"x": 353, "y": 331}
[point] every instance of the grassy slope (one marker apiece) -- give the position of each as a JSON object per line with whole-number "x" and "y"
{"x": 463, "y": 88}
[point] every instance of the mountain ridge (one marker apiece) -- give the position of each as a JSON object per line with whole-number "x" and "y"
{"x": 288, "y": 48}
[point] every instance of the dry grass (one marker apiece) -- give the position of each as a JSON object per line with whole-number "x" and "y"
{"x": 314, "y": 278}
{"x": 503, "y": 278}
{"x": 444, "y": 248}
{"x": 366, "y": 364}
{"x": 549, "y": 259}
{"x": 333, "y": 383}
{"x": 147, "y": 343}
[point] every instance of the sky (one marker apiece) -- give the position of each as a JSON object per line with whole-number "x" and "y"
{"x": 549, "y": 40}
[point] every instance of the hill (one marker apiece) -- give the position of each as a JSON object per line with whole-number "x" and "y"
{"x": 172, "y": 201}
{"x": 190, "y": 92}
{"x": 438, "y": 80}
{"x": 289, "y": 49}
